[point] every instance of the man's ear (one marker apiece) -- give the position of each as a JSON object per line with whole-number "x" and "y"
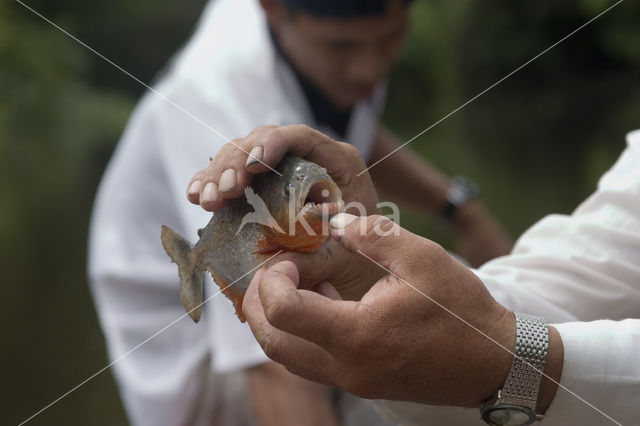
{"x": 276, "y": 12}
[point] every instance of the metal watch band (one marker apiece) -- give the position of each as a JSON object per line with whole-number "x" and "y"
{"x": 532, "y": 344}
{"x": 460, "y": 192}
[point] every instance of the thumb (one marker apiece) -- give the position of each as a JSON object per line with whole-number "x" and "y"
{"x": 376, "y": 237}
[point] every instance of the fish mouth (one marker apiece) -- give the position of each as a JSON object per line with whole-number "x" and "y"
{"x": 323, "y": 198}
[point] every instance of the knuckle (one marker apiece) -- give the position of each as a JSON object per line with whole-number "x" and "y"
{"x": 271, "y": 346}
{"x": 350, "y": 151}
{"x": 229, "y": 150}
{"x": 258, "y": 133}
{"x": 310, "y": 275}
{"x": 383, "y": 224}
{"x": 262, "y": 129}
{"x": 371, "y": 223}
{"x": 278, "y": 314}
{"x": 235, "y": 149}
{"x": 278, "y": 131}
{"x": 375, "y": 226}
{"x": 303, "y": 128}
{"x": 273, "y": 135}
{"x": 201, "y": 174}
{"x": 234, "y": 143}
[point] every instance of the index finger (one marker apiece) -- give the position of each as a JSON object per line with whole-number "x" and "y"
{"x": 298, "y": 355}
{"x": 339, "y": 158}
{"x": 225, "y": 176}
{"x": 303, "y": 313}
{"x": 263, "y": 149}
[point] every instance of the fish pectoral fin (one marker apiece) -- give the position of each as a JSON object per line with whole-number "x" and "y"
{"x": 232, "y": 294}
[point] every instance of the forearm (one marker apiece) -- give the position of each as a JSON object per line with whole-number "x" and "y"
{"x": 407, "y": 413}
{"x": 280, "y": 398}
{"x": 492, "y": 375}
{"x": 406, "y": 179}
{"x": 401, "y": 176}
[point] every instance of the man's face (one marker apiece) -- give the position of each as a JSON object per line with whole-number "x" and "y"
{"x": 344, "y": 58}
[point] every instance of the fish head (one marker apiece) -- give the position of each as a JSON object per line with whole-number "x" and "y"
{"x": 305, "y": 199}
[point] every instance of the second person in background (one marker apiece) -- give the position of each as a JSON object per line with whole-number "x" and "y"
{"x": 250, "y": 63}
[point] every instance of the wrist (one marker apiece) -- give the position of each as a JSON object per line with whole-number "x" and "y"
{"x": 469, "y": 215}
{"x": 552, "y": 370}
{"x": 495, "y": 373}
{"x": 460, "y": 193}
{"x": 531, "y": 383}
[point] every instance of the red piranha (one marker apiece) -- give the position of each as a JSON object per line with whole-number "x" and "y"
{"x": 286, "y": 211}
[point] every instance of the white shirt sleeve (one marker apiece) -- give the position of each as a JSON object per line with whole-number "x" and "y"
{"x": 162, "y": 361}
{"x": 600, "y": 383}
{"x": 582, "y": 267}
{"x": 135, "y": 289}
{"x": 601, "y": 374}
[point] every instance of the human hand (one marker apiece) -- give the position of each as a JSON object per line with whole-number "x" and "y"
{"x": 428, "y": 331}
{"x": 232, "y": 169}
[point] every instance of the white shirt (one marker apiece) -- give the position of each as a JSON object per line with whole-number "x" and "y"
{"x": 582, "y": 272}
{"x": 228, "y": 79}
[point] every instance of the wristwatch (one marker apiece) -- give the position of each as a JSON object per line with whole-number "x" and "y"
{"x": 515, "y": 403}
{"x": 460, "y": 192}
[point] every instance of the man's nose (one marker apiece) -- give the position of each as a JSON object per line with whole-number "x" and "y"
{"x": 368, "y": 65}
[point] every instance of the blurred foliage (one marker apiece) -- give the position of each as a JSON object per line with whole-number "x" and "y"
{"x": 61, "y": 113}
{"x": 536, "y": 143}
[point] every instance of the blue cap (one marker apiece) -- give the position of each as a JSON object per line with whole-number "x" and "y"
{"x": 344, "y": 8}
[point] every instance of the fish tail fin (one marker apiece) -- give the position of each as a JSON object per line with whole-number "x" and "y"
{"x": 191, "y": 280}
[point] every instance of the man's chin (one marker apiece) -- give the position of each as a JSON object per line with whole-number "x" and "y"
{"x": 348, "y": 100}
{"x": 352, "y": 95}
{"x": 362, "y": 92}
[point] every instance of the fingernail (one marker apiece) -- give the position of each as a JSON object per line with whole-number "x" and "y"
{"x": 210, "y": 193}
{"x": 227, "y": 180}
{"x": 254, "y": 156}
{"x": 342, "y": 220}
{"x": 194, "y": 188}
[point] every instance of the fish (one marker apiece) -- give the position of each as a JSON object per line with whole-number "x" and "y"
{"x": 284, "y": 211}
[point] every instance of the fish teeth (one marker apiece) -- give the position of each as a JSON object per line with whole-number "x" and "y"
{"x": 315, "y": 206}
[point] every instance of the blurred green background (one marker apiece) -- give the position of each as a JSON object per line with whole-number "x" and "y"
{"x": 535, "y": 143}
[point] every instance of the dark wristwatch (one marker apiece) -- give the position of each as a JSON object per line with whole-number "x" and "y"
{"x": 461, "y": 191}
{"x": 515, "y": 403}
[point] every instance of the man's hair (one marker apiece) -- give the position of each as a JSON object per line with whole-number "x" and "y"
{"x": 344, "y": 8}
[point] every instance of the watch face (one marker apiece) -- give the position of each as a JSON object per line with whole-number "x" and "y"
{"x": 509, "y": 415}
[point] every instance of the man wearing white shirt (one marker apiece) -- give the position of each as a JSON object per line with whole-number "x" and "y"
{"x": 432, "y": 332}
{"x": 249, "y": 63}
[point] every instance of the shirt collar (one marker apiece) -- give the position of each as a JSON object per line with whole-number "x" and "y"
{"x": 323, "y": 110}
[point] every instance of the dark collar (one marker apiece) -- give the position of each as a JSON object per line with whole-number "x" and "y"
{"x": 323, "y": 110}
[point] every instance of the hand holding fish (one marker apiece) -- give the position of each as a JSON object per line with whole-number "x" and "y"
{"x": 406, "y": 338}
{"x": 234, "y": 166}
{"x": 232, "y": 169}
{"x": 286, "y": 209}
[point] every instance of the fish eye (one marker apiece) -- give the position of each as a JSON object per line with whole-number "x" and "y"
{"x": 299, "y": 177}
